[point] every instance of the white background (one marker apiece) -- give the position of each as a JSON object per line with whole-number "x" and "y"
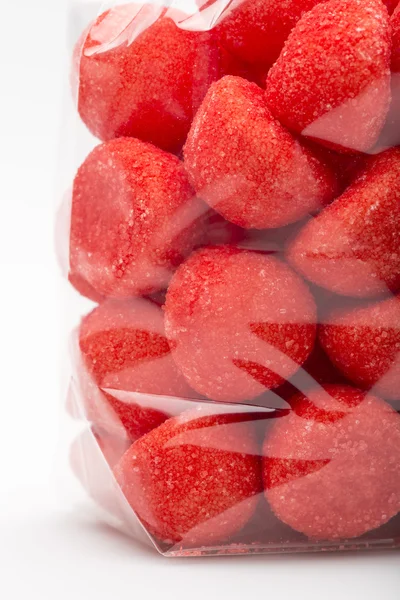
{"x": 47, "y": 552}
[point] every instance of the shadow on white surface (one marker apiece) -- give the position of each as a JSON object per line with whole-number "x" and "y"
{"x": 57, "y": 555}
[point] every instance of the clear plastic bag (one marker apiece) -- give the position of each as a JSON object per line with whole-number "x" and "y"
{"x": 233, "y": 269}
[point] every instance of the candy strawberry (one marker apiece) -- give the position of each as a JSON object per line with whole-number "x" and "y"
{"x": 364, "y": 343}
{"x": 255, "y": 30}
{"x": 352, "y": 246}
{"x": 239, "y": 322}
{"x": 141, "y": 75}
{"x": 128, "y": 371}
{"x": 134, "y": 218}
{"x": 247, "y": 166}
{"x": 332, "y": 467}
{"x": 331, "y": 82}
{"x": 195, "y": 480}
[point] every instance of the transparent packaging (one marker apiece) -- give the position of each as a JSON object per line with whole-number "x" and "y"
{"x": 229, "y": 239}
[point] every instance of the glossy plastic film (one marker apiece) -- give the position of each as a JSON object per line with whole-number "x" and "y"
{"x": 228, "y": 235}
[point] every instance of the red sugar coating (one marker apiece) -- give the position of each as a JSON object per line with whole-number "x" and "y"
{"x": 246, "y": 166}
{"x": 239, "y": 322}
{"x": 332, "y": 79}
{"x": 395, "y": 22}
{"x": 143, "y": 76}
{"x": 134, "y": 218}
{"x": 352, "y": 246}
{"x": 332, "y": 467}
{"x": 255, "y": 30}
{"x": 195, "y": 479}
{"x": 124, "y": 349}
{"x": 364, "y": 343}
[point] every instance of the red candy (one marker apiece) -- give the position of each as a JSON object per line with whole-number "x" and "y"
{"x": 246, "y": 166}
{"x": 239, "y": 322}
{"x": 126, "y": 354}
{"x": 134, "y": 218}
{"x": 332, "y": 79}
{"x": 364, "y": 343}
{"x": 140, "y": 75}
{"x": 194, "y": 480}
{"x": 395, "y": 21}
{"x": 332, "y": 467}
{"x": 352, "y": 246}
{"x": 255, "y": 30}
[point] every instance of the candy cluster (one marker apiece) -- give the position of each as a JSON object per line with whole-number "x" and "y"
{"x": 238, "y": 228}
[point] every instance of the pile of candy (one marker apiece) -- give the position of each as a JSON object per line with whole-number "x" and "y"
{"x": 238, "y": 228}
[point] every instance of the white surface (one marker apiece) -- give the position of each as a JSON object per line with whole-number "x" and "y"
{"x": 65, "y": 558}
{"x": 46, "y": 554}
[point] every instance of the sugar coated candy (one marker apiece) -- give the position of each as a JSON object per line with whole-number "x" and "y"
{"x": 364, "y": 343}
{"x": 141, "y": 75}
{"x": 248, "y": 167}
{"x": 129, "y": 370}
{"x": 239, "y": 322}
{"x": 134, "y": 218}
{"x": 352, "y": 246}
{"x": 256, "y": 30}
{"x": 332, "y": 80}
{"x": 332, "y": 467}
{"x": 194, "y": 480}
